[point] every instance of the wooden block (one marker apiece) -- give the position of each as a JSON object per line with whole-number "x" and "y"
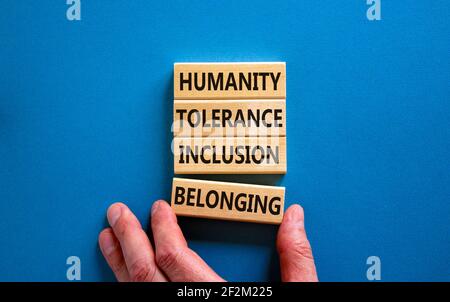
{"x": 228, "y": 201}
{"x": 230, "y": 80}
{"x": 230, "y": 155}
{"x": 229, "y": 118}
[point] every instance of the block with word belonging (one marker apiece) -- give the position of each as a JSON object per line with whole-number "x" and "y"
{"x": 230, "y": 155}
{"x": 229, "y": 118}
{"x": 230, "y": 80}
{"x": 227, "y": 201}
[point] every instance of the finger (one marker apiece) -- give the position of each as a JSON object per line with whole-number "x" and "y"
{"x": 136, "y": 248}
{"x": 173, "y": 256}
{"x": 110, "y": 247}
{"x": 296, "y": 259}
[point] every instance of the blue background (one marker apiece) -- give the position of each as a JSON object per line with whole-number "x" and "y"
{"x": 86, "y": 109}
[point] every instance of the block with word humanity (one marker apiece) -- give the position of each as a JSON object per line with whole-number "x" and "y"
{"x": 229, "y": 118}
{"x": 227, "y": 201}
{"x": 230, "y": 155}
{"x": 230, "y": 80}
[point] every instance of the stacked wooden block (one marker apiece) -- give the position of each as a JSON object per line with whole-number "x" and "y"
{"x": 229, "y": 118}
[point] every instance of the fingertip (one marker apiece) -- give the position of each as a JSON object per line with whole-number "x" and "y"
{"x": 292, "y": 227}
{"x": 295, "y": 214}
{"x": 156, "y": 205}
{"x": 165, "y": 228}
{"x": 296, "y": 259}
{"x": 296, "y": 207}
{"x": 116, "y": 204}
{"x": 114, "y": 211}
{"x": 162, "y": 203}
{"x": 161, "y": 200}
{"x": 122, "y": 219}
{"x": 161, "y": 209}
{"x": 110, "y": 248}
{"x": 107, "y": 241}
{"x": 104, "y": 232}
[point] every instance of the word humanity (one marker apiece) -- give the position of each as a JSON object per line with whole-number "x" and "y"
{"x": 229, "y": 80}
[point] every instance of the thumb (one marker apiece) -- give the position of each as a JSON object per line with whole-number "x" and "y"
{"x": 296, "y": 259}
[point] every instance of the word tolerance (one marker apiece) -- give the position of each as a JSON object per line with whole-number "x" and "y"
{"x": 223, "y": 118}
{"x": 229, "y": 118}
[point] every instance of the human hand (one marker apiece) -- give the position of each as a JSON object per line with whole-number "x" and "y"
{"x": 130, "y": 255}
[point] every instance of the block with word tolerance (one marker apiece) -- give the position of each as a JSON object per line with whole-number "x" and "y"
{"x": 230, "y": 80}
{"x": 229, "y": 118}
{"x": 227, "y": 201}
{"x": 230, "y": 155}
